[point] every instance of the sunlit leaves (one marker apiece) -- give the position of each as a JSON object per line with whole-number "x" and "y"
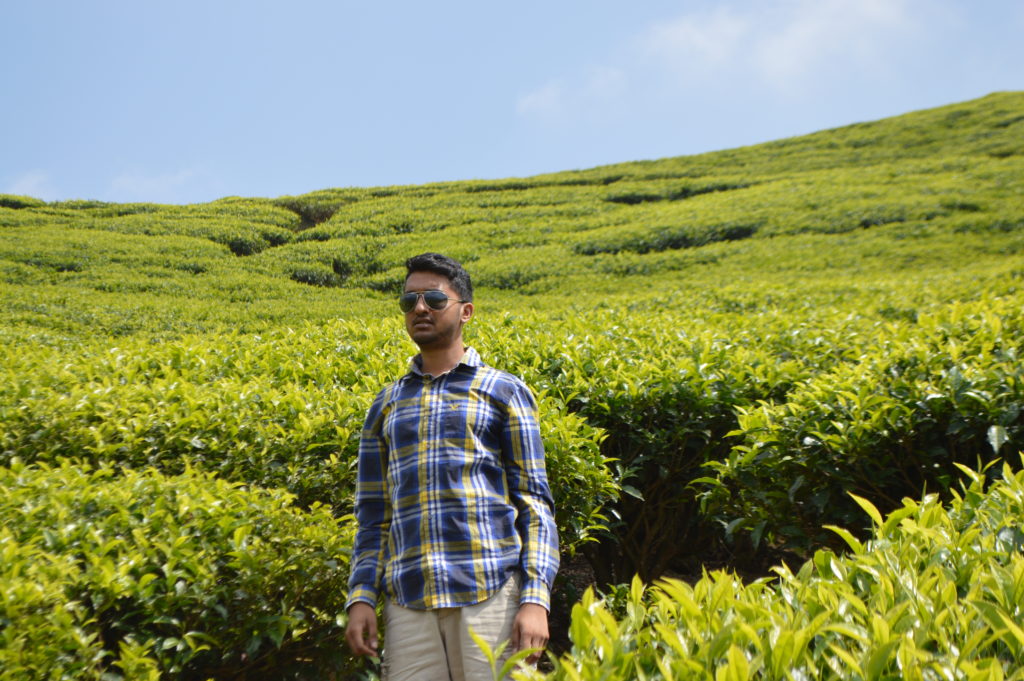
{"x": 186, "y": 576}
{"x": 899, "y": 609}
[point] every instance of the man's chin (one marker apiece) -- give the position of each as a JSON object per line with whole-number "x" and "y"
{"x": 424, "y": 339}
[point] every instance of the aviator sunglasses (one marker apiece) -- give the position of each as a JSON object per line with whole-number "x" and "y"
{"x": 435, "y": 300}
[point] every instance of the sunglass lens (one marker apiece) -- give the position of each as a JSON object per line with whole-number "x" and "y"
{"x": 435, "y": 299}
{"x": 407, "y": 301}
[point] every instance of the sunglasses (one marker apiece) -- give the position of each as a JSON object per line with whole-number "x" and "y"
{"x": 435, "y": 300}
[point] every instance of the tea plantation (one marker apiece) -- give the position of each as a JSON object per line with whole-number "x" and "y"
{"x": 781, "y": 392}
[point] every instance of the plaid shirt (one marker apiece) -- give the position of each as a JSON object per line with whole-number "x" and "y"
{"x": 452, "y": 496}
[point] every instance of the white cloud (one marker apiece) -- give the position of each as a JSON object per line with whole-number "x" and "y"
{"x": 595, "y": 91}
{"x": 35, "y": 183}
{"x": 605, "y": 82}
{"x": 780, "y": 44}
{"x": 783, "y": 47}
{"x": 545, "y": 101}
{"x": 160, "y": 188}
{"x": 818, "y": 33}
{"x": 692, "y": 41}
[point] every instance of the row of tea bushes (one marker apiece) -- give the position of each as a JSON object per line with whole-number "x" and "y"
{"x": 110, "y": 574}
{"x": 280, "y": 410}
{"x": 954, "y": 169}
{"x": 245, "y": 226}
{"x": 64, "y": 286}
{"x": 937, "y": 593}
{"x": 751, "y": 421}
{"x": 284, "y": 409}
{"x": 754, "y": 427}
{"x": 926, "y": 397}
{"x": 121, "y": 574}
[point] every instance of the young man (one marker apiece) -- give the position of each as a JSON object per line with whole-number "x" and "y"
{"x": 455, "y": 516}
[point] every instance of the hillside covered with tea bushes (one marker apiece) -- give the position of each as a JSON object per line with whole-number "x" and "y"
{"x": 78, "y": 268}
{"x": 735, "y": 355}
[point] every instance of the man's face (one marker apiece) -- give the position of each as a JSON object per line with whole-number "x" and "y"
{"x": 430, "y": 328}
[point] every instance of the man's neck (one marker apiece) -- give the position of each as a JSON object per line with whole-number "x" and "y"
{"x": 440, "y": 360}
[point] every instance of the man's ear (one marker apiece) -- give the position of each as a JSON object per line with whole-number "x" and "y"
{"x": 467, "y": 312}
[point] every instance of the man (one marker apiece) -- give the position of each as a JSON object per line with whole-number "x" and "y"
{"x": 455, "y": 516}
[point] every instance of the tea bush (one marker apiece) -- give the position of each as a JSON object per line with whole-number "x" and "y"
{"x": 925, "y": 175}
{"x": 16, "y": 201}
{"x": 123, "y": 574}
{"x": 42, "y": 634}
{"x": 934, "y": 594}
{"x": 669, "y": 396}
{"x": 280, "y": 410}
{"x": 927, "y": 398}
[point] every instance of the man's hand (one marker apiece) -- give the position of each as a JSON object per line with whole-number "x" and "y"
{"x": 530, "y": 629}
{"x": 361, "y": 632}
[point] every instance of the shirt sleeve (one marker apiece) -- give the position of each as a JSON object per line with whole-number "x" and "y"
{"x": 373, "y": 512}
{"x": 529, "y": 491}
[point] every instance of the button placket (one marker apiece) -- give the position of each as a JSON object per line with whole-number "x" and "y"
{"x": 435, "y": 426}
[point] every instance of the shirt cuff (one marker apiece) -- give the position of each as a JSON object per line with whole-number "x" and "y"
{"x": 536, "y": 591}
{"x": 362, "y": 594}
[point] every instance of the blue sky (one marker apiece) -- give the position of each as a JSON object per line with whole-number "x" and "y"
{"x": 189, "y": 101}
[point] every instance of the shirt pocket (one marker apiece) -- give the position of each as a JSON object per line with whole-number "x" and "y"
{"x": 455, "y": 418}
{"x": 472, "y": 415}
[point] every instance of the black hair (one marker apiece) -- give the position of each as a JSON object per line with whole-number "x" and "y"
{"x": 446, "y": 267}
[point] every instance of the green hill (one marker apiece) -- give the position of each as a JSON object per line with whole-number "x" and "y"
{"x": 724, "y": 347}
{"x": 922, "y": 188}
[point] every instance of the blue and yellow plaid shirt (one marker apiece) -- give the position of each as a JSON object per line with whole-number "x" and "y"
{"x": 452, "y": 496}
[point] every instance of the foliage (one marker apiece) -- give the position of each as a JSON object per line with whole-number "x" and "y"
{"x": 280, "y": 410}
{"x": 935, "y": 594}
{"x": 121, "y": 574}
{"x": 930, "y": 396}
{"x": 17, "y": 201}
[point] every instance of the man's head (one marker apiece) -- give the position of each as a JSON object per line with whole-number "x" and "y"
{"x": 434, "y": 321}
{"x": 458, "y": 278}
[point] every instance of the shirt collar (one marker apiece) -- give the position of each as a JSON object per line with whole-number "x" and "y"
{"x": 470, "y": 358}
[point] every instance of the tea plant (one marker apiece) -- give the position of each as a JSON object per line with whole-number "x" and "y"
{"x": 280, "y": 410}
{"x": 927, "y": 398}
{"x": 934, "y": 594}
{"x": 122, "y": 574}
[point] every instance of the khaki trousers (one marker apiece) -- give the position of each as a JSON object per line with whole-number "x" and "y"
{"x": 435, "y": 645}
